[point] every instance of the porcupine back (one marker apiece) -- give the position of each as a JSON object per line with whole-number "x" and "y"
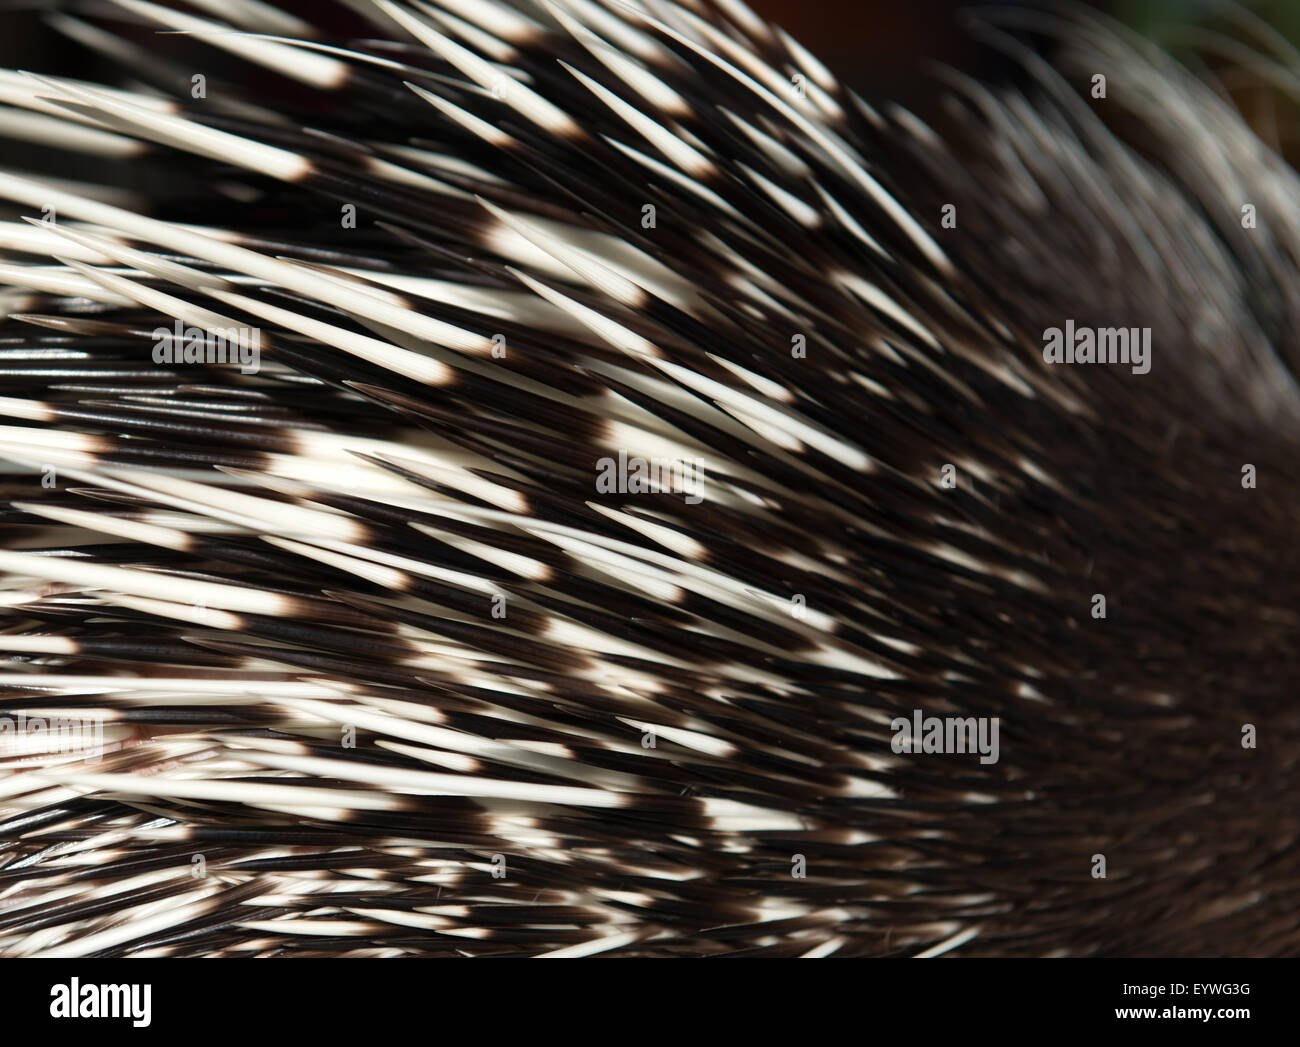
{"x": 383, "y": 669}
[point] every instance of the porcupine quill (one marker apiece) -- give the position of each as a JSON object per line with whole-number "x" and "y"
{"x": 344, "y": 619}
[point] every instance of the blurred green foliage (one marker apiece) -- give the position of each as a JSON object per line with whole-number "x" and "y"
{"x": 1149, "y": 16}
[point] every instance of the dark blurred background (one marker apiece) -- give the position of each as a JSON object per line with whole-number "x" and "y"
{"x": 881, "y": 46}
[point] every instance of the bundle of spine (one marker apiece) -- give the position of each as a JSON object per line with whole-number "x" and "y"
{"x": 492, "y": 482}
